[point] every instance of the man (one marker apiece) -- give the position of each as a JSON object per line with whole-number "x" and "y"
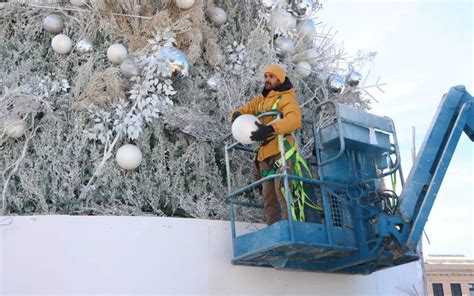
{"x": 277, "y": 95}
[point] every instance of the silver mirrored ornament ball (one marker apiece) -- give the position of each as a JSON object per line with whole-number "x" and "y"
{"x": 84, "y": 46}
{"x": 268, "y": 5}
{"x": 335, "y": 83}
{"x": 284, "y": 46}
{"x": 300, "y": 9}
{"x": 129, "y": 68}
{"x": 353, "y": 79}
{"x": 214, "y": 82}
{"x": 176, "y": 60}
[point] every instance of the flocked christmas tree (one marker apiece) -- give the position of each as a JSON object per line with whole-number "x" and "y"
{"x": 122, "y": 107}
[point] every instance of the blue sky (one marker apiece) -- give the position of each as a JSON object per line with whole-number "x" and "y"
{"x": 424, "y": 48}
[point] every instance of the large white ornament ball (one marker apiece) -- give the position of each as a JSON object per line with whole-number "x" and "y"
{"x": 243, "y": 127}
{"x": 78, "y": 3}
{"x": 15, "y": 129}
{"x": 61, "y": 44}
{"x": 117, "y": 53}
{"x": 53, "y": 23}
{"x": 184, "y": 4}
{"x": 84, "y": 46}
{"x": 218, "y": 16}
{"x": 307, "y": 30}
{"x": 284, "y": 46}
{"x": 303, "y": 68}
{"x": 129, "y": 157}
{"x": 129, "y": 68}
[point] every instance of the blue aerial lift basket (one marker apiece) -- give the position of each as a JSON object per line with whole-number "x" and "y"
{"x": 365, "y": 227}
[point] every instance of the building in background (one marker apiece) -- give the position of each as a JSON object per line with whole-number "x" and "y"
{"x": 449, "y": 275}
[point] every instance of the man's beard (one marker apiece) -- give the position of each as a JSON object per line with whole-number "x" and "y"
{"x": 268, "y": 86}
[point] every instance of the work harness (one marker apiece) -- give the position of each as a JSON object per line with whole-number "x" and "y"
{"x": 300, "y": 169}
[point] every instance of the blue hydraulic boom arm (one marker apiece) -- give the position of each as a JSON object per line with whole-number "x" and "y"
{"x": 455, "y": 114}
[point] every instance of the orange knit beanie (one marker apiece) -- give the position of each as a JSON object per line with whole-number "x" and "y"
{"x": 277, "y": 70}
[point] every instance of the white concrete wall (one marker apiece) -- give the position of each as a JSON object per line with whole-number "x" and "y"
{"x": 45, "y": 255}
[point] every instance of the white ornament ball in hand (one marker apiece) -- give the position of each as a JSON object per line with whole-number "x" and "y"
{"x": 61, "y": 44}
{"x": 78, "y": 3}
{"x": 117, "y": 53}
{"x": 307, "y": 30}
{"x": 243, "y": 127}
{"x": 303, "y": 69}
{"x": 184, "y": 4}
{"x": 129, "y": 68}
{"x": 128, "y": 157}
{"x": 53, "y": 23}
{"x": 218, "y": 16}
{"x": 15, "y": 129}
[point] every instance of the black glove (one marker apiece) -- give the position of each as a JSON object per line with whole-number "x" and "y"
{"x": 235, "y": 115}
{"x": 263, "y": 132}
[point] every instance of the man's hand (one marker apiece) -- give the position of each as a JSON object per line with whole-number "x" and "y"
{"x": 235, "y": 115}
{"x": 263, "y": 132}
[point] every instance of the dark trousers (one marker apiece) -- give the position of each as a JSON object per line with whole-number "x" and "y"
{"x": 274, "y": 203}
